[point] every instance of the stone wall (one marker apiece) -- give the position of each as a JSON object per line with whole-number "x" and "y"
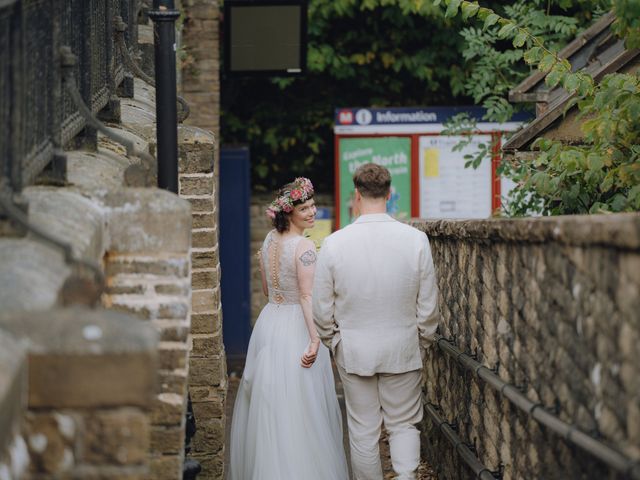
{"x": 200, "y": 62}
{"x": 152, "y": 281}
{"x": 88, "y": 389}
{"x": 143, "y": 239}
{"x": 13, "y": 381}
{"x": 552, "y": 305}
{"x": 200, "y": 85}
{"x": 207, "y": 380}
{"x": 92, "y": 400}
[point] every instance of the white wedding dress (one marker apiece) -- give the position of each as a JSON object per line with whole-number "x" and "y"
{"x": 286, "y": 419}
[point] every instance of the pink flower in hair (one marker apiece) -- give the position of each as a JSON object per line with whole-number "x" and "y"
{"x": 296, "y": 194}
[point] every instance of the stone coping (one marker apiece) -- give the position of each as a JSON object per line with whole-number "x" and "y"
{"x": 621, "y": 230}
{"x": 81, "y": 358}
{"x": 147, "y": 220}
{"x": 12, "y": 388}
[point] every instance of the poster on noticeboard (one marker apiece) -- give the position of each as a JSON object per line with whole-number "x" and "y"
{"x": 392, "y": 152}
{"x": 453, "y": 191}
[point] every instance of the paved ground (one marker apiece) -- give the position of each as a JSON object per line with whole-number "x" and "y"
{"x": 235, "y": 371}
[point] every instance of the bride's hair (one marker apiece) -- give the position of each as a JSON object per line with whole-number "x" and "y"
{"x": 282, "y": 219}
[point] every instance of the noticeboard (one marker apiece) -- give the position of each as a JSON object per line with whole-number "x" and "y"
{"x": 448, "y": 189}
{"x": 391, "y": 152}
{"x": 433, "y": 183}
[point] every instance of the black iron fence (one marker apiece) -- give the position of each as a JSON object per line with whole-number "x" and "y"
{"x": 37, "y": 114}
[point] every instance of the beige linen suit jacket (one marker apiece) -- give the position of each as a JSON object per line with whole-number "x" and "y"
{"x": 375, "y": 294}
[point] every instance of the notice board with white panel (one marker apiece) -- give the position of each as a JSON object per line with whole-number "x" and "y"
{"x": 447, "y": 188}
{"x": 435, "y": 183}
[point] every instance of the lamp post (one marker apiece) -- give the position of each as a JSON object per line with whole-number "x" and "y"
{"x": 164, "y": 15}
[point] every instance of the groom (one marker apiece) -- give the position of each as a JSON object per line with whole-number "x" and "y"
{"x": 375, "y": 307}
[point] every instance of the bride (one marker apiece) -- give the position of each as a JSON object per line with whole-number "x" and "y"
{"x": 286, "y": 419}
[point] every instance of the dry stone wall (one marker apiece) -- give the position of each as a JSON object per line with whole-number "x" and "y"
{"x": 552, "y": 305}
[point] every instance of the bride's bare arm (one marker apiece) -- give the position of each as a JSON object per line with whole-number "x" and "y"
{"x": 305, "y": 268}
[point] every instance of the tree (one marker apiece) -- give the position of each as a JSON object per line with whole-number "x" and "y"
{"x": 361, "y": 53}
{"x": 603, "y": 174}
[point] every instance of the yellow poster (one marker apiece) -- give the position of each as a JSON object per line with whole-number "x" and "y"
{"x": 322, "y": 228}
{"x": 431, "y": 162}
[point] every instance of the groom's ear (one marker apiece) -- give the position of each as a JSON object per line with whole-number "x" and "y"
{"x": 358, "y": 195}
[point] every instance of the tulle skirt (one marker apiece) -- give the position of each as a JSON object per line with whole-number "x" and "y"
{"x": 286, "y": 419}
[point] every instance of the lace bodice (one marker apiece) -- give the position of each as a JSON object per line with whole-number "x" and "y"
{"x": 279, "y": 265}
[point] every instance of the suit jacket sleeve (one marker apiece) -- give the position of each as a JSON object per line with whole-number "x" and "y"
{"x": 323, "y": 297}
{"x": 427, "y": 305}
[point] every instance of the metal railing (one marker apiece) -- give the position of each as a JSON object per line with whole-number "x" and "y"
{"x": 571, "y": 433}
{"x": 38, "y": 115}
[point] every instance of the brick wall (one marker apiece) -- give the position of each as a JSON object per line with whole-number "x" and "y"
{"x": 552, "y": 306}
{"x": 149, "y": 276}
{"x": 207, "y": 379}
{"x": 200, "y": 86}
{"x": 201, "y": 63}
{"x": 14, "y": 457}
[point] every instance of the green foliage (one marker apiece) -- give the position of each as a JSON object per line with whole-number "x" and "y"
{"x": 494, "y": 65}
{"x": 603, "y": 174}
{"x": 462, "y": 124}
{"x": 361, "y": 53}
{"x": 627, "y": 24}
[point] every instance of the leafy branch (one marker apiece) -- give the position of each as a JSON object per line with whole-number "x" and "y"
{"x": 603, "y": 173}
{"x": 557, "y": 69}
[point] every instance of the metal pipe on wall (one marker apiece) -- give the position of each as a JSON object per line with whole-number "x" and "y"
{"x": 571, "y": 433}
{"x": 467, "y": 455}
{"x": 164, "y": 15}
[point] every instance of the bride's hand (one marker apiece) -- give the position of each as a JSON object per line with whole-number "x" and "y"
{"x": 310, "y": 354}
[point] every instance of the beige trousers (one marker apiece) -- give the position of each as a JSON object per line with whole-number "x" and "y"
{"x": 395, "y": 399}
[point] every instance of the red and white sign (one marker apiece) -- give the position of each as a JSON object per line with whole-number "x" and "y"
{"x": 345, "y": 117}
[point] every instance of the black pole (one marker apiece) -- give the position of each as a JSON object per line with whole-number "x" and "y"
{"x": 164, "y": 16}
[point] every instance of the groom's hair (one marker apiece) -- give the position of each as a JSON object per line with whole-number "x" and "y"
{"x": 372, "y": 180}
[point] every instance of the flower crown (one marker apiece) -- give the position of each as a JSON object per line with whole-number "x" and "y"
{"x": 300, "y": 191}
